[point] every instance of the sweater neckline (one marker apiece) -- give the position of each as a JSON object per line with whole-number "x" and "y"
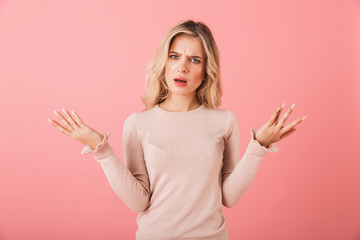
{"x": 179, "y": 113}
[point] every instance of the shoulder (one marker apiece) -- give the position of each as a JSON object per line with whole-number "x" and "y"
{"x": 142, "y": 115}
{"x": 136, "y": 118}
{"x": 134, "y": 124}
{"x": 227, "y": 114}
{"x": 231, "y": 116}
{"x": 225, "y": 117}
{"x": 230, "y": 120}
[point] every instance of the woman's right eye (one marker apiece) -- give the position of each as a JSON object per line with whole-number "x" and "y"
{"x": 171, "y": 56}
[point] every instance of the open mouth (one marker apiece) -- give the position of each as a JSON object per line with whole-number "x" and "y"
{"x": 178, "y": 80}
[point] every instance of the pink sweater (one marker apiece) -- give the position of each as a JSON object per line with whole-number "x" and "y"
{"x": 179, "y": 169}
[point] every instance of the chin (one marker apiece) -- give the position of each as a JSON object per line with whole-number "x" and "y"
{"x": 182, "y": 92}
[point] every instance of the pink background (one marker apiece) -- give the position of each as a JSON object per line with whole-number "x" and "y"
{"x": 90, "y": 56}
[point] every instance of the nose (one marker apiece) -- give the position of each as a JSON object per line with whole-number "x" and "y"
{"x": 182, "y": 66}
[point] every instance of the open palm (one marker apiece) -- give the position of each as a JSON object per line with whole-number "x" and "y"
{"x": 274, "y": 131}
{"x": 75, "y": 128}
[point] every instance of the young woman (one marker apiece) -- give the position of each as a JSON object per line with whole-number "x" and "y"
{"x": 181, "y": 153}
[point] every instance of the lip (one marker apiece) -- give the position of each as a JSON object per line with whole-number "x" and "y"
{"x": 180, "y": 78}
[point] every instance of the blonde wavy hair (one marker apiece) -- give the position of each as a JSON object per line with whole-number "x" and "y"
{"x": 209, "y": 92}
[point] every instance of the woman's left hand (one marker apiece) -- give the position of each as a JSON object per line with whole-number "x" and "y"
{"x": 274, "y": 131}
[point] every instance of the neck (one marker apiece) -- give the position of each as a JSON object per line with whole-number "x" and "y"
{"x": 178, "y": 103}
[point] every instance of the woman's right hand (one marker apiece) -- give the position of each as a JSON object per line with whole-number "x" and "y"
{"x": 77, "y": 129}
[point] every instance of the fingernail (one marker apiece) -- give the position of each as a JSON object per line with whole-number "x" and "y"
{"x": 302, "y": 119}
{"x": 282, "y": 105}
{"x": 64, "y": 111}
{"x": 72, "y": 112}
{"x": 277, "y": 109}
{"x": 49, "y": 121}
{"x": 56, "y": 113}
{"x": 292, "y": 106}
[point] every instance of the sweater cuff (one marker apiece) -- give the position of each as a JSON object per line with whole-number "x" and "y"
{"x": 99, "y": 146}
{"x": 257, "y": 147}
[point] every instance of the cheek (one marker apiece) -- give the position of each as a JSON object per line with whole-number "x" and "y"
{"x": 168, "y": 68}
{"x": 168, "y": 72}
{"x": 199, "y": 72}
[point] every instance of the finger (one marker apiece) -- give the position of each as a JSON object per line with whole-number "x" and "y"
{"x": 272, "y": 118}
{"x": 292, "y": 125}
{"x": 286, "y": 116}
{"x": 59, "y": 127}
{"x": 279, "y": 112}
{"x": 70, "y": 119}
{"x": 78, "y": 119}
{"x": 287, "y": 133}
{"x": 63, "y": 120}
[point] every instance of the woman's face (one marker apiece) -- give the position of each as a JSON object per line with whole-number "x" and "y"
{"x": 185, "y": 60}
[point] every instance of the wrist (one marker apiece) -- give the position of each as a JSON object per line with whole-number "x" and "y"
{"x": 96, "y": 140}
{"x": 261, "y": 143}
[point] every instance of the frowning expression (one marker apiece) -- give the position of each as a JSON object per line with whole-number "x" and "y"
{"x": 186, "y": 61}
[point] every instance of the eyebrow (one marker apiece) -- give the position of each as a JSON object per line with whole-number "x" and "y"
{"x": 190, "y": 56}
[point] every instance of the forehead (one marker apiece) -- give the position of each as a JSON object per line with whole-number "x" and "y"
{"x": 188, "y": 44}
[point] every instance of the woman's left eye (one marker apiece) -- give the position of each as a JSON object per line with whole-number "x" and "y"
{"x": 175, "y": 56}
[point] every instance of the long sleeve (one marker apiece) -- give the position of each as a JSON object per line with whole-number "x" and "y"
{"x": 238, "y": 175}
{"x": 129, "y": 181}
